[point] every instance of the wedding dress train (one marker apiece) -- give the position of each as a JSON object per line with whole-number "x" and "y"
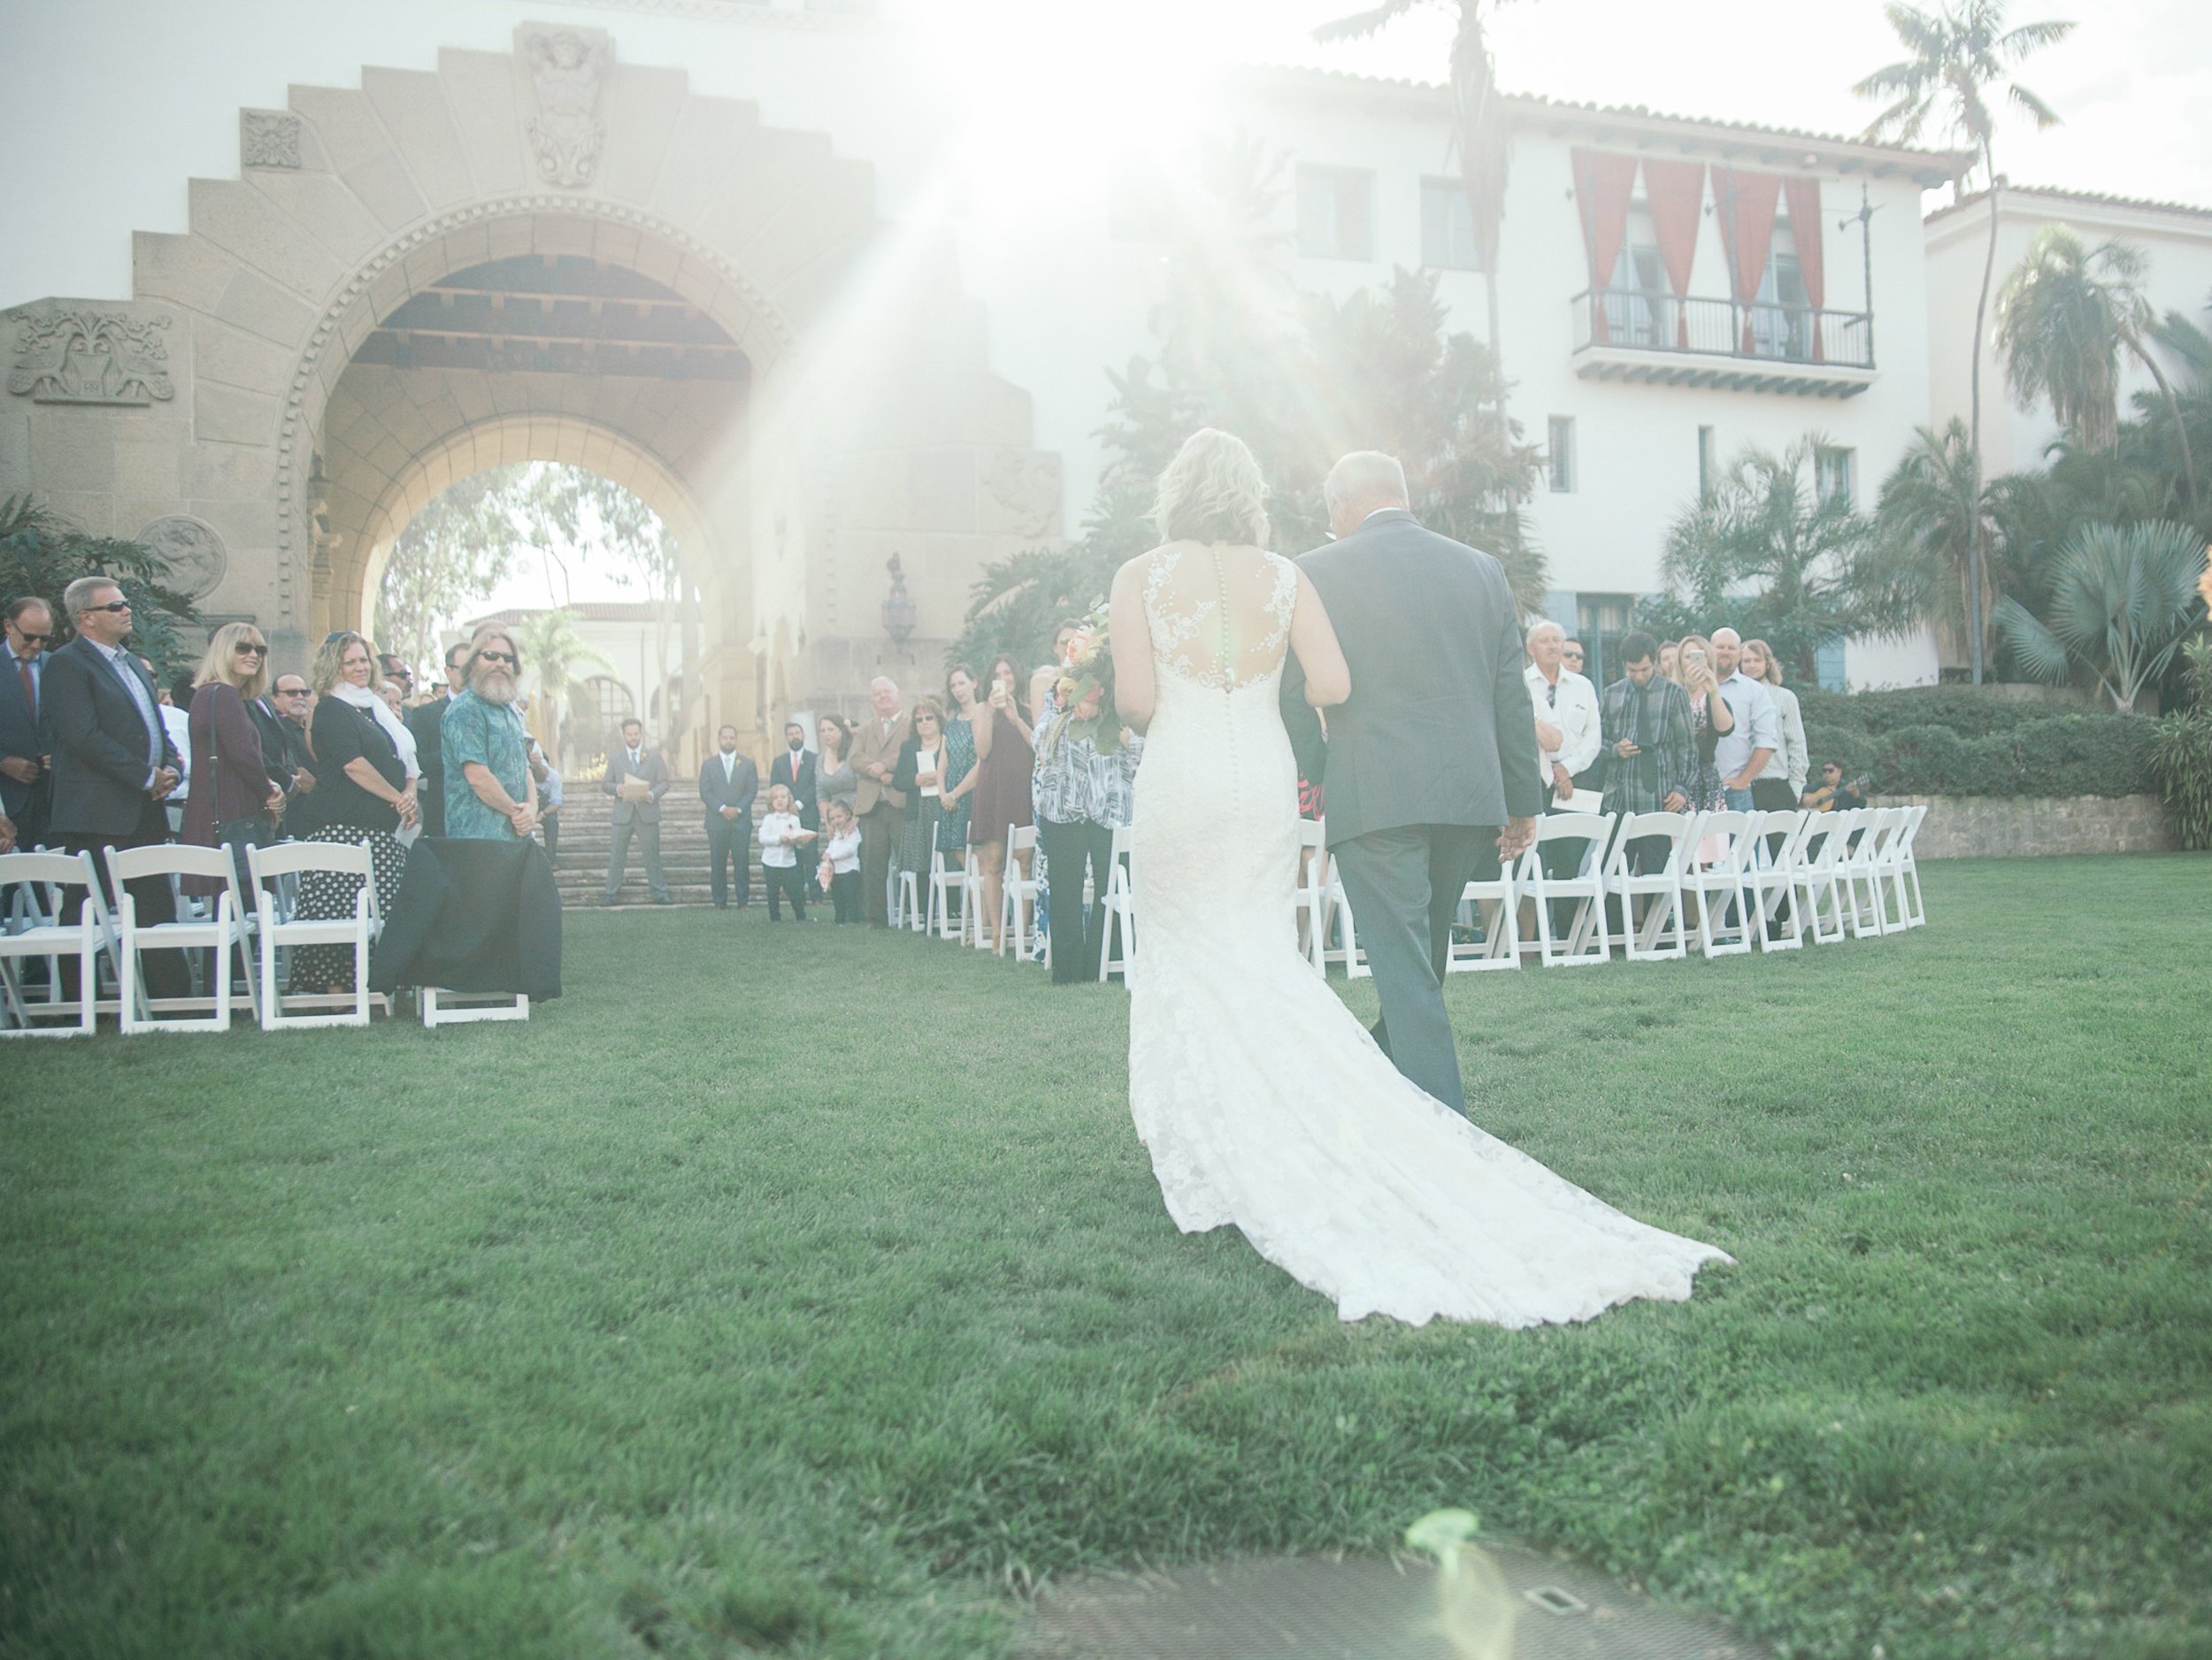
{"x": 1262, "y": 1099}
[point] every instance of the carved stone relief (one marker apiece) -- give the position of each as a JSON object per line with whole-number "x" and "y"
{"x": 567, "y": 67}
{"x": 191, "y": 551}
{"x": 1026, "y": 483}
{"x": 66, "y": 353}
{"x": 268, "y": 138}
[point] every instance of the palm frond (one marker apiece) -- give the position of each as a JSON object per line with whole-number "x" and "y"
{"x": 2016, "y": 43}
{"x": 2034, "y": 647}
{"x": 2043, "y": 116}
{"x": 1359, "y": 25}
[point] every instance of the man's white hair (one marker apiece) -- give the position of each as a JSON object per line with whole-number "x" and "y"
{"x": 1366, "y": 476}
{"x": 884, "y": 680}
{"x": 1543, "y": 626}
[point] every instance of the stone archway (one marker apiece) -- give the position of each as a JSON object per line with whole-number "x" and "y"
{"x": 248, "y": 389}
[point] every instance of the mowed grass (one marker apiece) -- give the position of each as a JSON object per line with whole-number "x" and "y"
{"x": 802, "y": 1292}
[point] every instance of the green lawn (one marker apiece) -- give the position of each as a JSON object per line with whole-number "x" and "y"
{"x": 802, "y": 1292}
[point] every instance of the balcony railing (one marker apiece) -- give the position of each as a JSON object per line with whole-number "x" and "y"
{"x": 1762, "y": 332}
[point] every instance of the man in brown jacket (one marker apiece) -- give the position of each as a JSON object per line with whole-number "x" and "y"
{"x": 881, "y": 809}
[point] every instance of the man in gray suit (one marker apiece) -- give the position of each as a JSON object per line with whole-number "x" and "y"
{"x": 1429, "y": 771}
{"x": 637, "y": 811}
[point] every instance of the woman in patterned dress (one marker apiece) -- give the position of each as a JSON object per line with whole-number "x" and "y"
{"x": 363, "y": 796}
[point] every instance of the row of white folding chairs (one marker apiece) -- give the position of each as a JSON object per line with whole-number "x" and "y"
{"x": 1776, "y": 877}
{"x": 43, "y": 888}
{"x": 953, "y": 908}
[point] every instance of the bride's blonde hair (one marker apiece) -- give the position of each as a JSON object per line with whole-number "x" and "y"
{"x": 1212, "y": 491}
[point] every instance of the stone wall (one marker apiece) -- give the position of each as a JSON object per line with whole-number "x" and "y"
{"x": 2001, "y": 826}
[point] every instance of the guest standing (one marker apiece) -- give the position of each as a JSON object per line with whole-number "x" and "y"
{"x": 1082, "y": 793}
{"x": 1782, "y": 781}
{"x": 781, "y": 839}
{"x": 1650, "y": 755}
{"x": 1750, "y": 740}
{"x": 840, "y": 860}
{"x": 1710, "y": 720}
{"x": 27, "y": 781}
{"x": 113, "y": 765}
{"x": 363, "y": 797}
{"x": 879, "y": 804}
{"x": 794, "y": 769}
{"x": 637, "y": 778}
{"x": 489, "y": 791}
{"x": 425, "y": 724}
{"x": 728, "y": 781}
{"x": 962, "y": 715}
{"x": 1000, "y": 800}
{"x": 835, "y": 780}
{"x": 237, "y": 803}
{"x": 920, "y": 777}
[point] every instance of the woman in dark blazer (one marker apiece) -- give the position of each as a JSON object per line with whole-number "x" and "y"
{"x": 362, "y": 796}
{"x": 920, "y": 772}
{"x": 233, "y": 803}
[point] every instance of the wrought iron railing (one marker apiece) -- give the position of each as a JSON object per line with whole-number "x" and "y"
{"x": 1763, "y": 331}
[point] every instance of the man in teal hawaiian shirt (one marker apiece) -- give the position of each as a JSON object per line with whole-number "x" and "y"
{"x": 489, "y": 793}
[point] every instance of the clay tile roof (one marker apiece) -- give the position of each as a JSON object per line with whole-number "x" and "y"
{"x": 2082, "y": 198}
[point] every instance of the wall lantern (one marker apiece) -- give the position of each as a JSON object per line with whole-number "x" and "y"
{"x": 898, "y": 606}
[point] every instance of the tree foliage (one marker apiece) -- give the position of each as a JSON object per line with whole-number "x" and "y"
{"x": 2124, "y": 601}
{"x": 1762, "y": 554}
{"x": 476, "y": 534}
{"x": 42, "y": 553}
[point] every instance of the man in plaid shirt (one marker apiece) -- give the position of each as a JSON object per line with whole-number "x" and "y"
{"x": 1648, "y": 751}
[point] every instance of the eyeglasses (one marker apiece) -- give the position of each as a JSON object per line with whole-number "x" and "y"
{"x": 30, "y": 639}
{"x": 495, "y": 657}
{"x": 116, "y": 605}
{"x": 289, "y": 691}
{"x": 250, "y": 649}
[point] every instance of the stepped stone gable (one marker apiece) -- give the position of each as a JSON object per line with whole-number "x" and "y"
{"x": 546, "y": 254}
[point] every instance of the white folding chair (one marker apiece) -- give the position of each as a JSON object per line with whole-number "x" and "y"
{"x": 947, "y": 882}
{"x": 1771, "y": 879}
{"x": 36, "y": 888}
{"x": 1309, "y": 900}
{"x": 1348, "y": 951}
{"x": 1815, "y": 887}
{"x": 1904, "y": 867}
{"x": 1492, "y": 909}
{"x": 1723, "y": 887}
{"x": 1858, "y": 872}
{"x": 1588, "y": 939}
{"x": 1120, "y": 900}
{"x": 225, "y": 928}
{"x": 1661, "y": 890}
{"x": 345, "y": 859}
{"x": 1017, "y": 910}
{"x": 972, "y": 929}
{"x": 440, "y": 1007}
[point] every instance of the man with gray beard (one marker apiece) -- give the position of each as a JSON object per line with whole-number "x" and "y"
{"x": 490, "y": 792}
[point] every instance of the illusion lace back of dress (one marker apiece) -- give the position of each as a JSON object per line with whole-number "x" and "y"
{"x": 1262, "y": 1102}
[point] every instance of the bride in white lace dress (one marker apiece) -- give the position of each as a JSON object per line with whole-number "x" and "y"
{"x": 1263, "y": 1102}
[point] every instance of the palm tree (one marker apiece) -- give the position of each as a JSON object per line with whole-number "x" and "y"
{"x": 2063, "y": 317}
{"x": 1479, "y": 130}
{"x": 556, "y": 652}
{"x": 1929, "y": 509}
{"x": 1954, "y": 53}
{"x": 2127, "y": 599}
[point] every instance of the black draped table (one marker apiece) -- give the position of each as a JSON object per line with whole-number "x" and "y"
{"x": 482, "y": 917}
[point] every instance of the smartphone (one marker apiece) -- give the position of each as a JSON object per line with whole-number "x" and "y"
{"x": 1694, "y": 656}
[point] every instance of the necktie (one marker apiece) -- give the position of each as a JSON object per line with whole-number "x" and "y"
{"x": 30, "y": 687}
{"x": 1551, "y": 694}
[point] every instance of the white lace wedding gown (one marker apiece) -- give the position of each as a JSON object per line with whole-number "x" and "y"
{"x": 1262, "y": 1100}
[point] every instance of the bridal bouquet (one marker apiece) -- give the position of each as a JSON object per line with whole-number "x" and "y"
{"x": 1084, "y": 691}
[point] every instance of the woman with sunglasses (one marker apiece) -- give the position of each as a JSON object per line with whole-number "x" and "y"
{"x": 232, "y": 804}
{"x": 921, "y": 774}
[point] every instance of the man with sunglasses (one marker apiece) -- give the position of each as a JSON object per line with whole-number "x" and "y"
{"x": 114, "y": 766}
{"x": 490, "y": 792}
{"x": 26, "y": 744}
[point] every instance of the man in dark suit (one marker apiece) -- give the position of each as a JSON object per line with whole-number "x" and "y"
{"x": 1429, "y": 771}
{"x": 25, "y": 773}
{"x": 426, "y": 722}
{"x": 727, "y": 783}
{"x": 637, "y": 778}
{"x": 114, "y": 766}
{"x": 794, "y": 769}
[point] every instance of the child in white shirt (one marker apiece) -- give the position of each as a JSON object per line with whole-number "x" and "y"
{"x": 840, "y": 875}
{"x": 781, "y": 835}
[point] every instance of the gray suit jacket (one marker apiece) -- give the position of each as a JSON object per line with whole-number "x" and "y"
{"x": 101, "y": 744}
{"x": 654, "y": 770}
{"x": 22, "y": 735}
{"x": 1439, "y": 729}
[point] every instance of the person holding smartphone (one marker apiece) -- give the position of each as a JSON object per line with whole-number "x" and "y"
{"x": 1005, "y": 761}
{"x": 1710, "y": 720}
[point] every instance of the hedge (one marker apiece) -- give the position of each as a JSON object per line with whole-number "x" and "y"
{"x": 1944, "y": 741}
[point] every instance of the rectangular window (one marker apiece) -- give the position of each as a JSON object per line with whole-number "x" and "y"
{"x": 1602, "y": 619}
{"x": 1336, "y": 213}
{"x": 1708, "y": 462}
{"x": 1447, "y": 226}
{"x": 1835, "y": 476}
{"x": 1560, "y": 455}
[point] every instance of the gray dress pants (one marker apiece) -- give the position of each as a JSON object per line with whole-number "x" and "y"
{"x": 648, "y": 838}
{"x": 1404, "y": 885}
